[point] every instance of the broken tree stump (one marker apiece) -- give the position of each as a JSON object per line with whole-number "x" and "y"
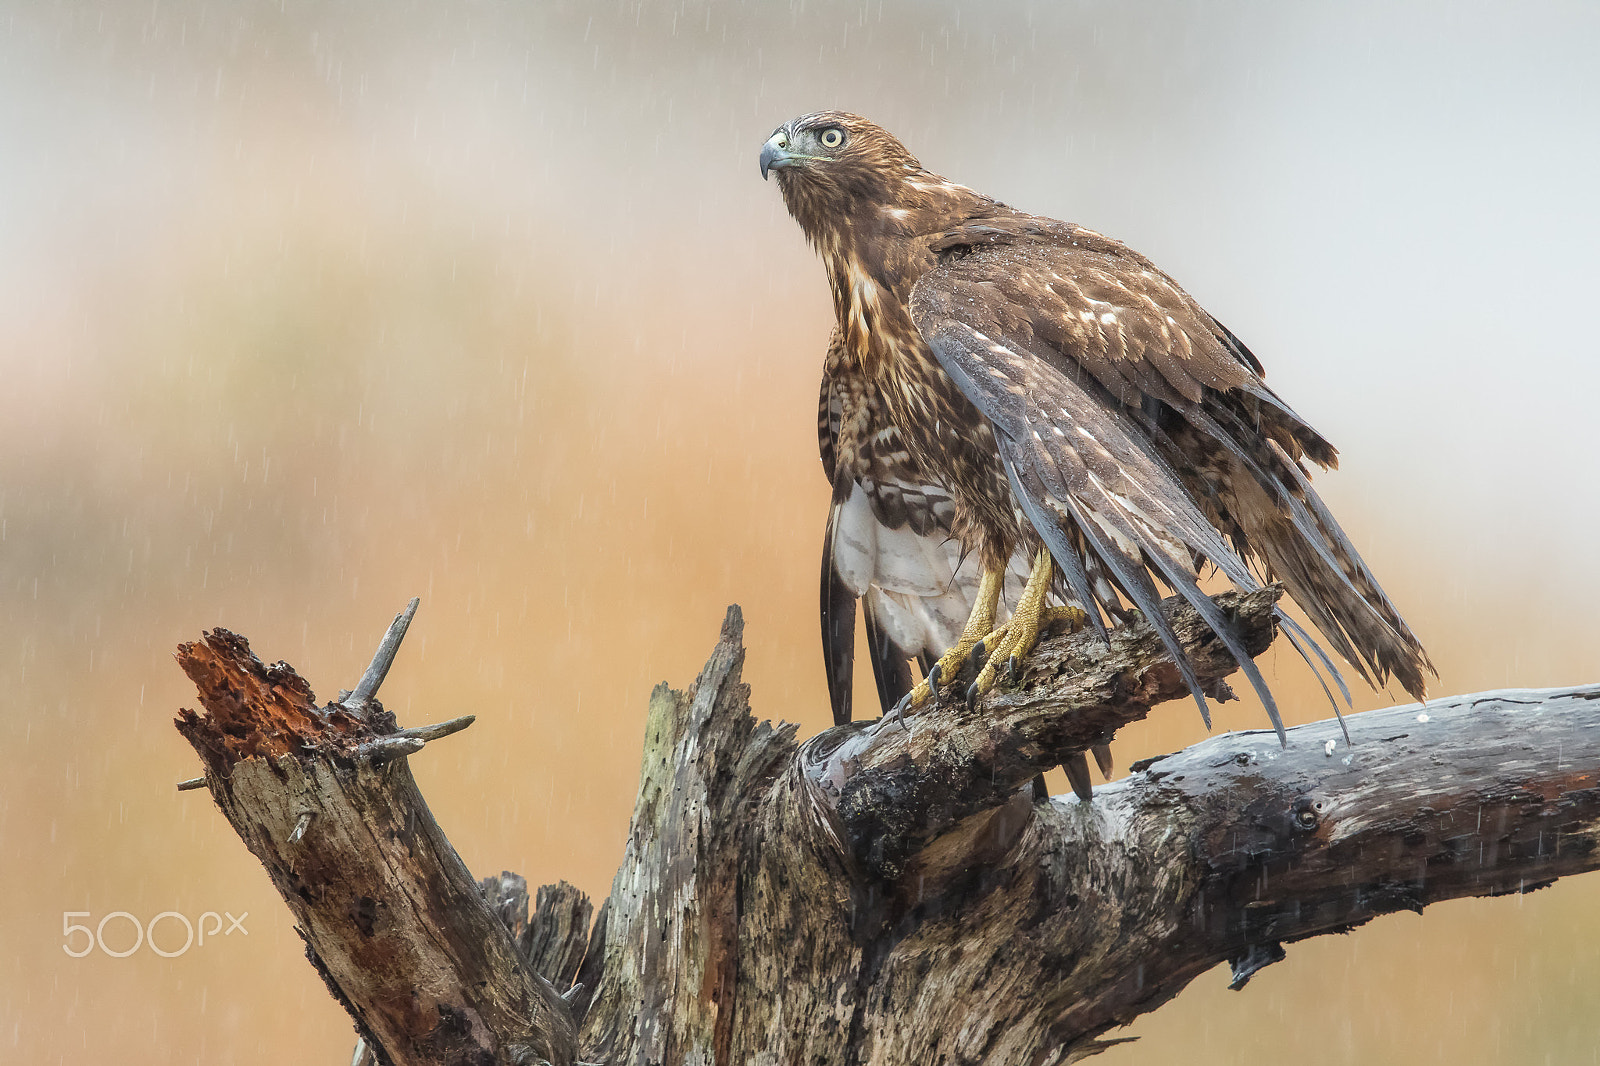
{"x": 888, "y": 895}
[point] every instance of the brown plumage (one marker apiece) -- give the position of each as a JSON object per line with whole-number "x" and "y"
{"x": 997, "y": 381}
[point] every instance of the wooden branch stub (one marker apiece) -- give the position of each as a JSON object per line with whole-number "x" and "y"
{"x": 671, "y": 927}
{"x": 553, "y": 935}
{"x": 390, "y": 915}
{"x": 367, "y": 688}
{"x": 558, "y": 934}
{"x": 507, "y": 896}
{"x": 439, "y": 730}
{"x": 253, "y": 710}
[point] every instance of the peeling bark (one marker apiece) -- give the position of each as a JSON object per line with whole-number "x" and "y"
{"x": 888, "y": 895}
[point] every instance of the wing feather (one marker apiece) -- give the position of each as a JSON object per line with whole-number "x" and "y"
{"x": 1082, "y": 356}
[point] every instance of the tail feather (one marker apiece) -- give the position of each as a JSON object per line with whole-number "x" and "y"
{"x": 838, "y": 624}
{"x": 890, "y": 667}
{"x": 1129, "y": 573}
{"x": 1290, "y": 530}
{"x": 1302, "y": 643}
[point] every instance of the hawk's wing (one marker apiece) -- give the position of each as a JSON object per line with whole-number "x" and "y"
{"x": 1130, "y": 421}
{"x": 888, "y": 544}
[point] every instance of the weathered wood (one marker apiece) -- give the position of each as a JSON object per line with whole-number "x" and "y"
{"x": 507, "y": 896}
{"x": 671, "y": 949}
{"x": 367, "y": 688}
{"x": 558, "y": 934}
{"x": 897, "y": 895}
{"x": 1481, "y": 795}
{"x": 897, "y": 788}
{"x": 1026, "y": 932}
{"x": 1100, "y": 912}
{"x": 391, "y": 918}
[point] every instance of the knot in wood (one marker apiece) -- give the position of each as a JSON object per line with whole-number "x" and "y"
{"x": 1307, "y": 813}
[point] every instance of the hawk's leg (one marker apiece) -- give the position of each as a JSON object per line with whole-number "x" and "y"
{"x": 993, "y": 645}
{"x": 980, "y": 624}
{"x": 1012, "y": 642}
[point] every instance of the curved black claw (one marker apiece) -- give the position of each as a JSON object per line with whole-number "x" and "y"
{"x": 934, "y": 673}
{"x": 1013, "y": 670}
{"x": 972, "y": 695}
{"x": 980, "y": 654}
{"x": 896, "y": 715}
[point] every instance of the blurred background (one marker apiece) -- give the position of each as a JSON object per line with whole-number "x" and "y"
{"x": 306, "y": 309}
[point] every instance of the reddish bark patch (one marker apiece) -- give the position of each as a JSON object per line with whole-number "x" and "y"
{"x": 252, "y": 709}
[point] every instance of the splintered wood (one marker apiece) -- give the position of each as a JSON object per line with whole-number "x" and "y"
{"x": 889, "y": 895}
{"x": 391, "y": 917}
{"x": 252, "y": 709}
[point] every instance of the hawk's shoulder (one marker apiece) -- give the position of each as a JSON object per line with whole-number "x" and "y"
{"x": 1069, "y": 295}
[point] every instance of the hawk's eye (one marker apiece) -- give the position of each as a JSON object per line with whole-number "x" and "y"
{"x": 832, "y": 137}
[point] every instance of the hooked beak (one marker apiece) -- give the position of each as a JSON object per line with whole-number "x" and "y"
{"x": 775, "y": 155}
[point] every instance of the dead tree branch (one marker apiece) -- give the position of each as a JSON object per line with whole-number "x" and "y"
{"x": 898, "y": 789}
{"x": 888, "y": 895}
{"x": 391, "y": 918}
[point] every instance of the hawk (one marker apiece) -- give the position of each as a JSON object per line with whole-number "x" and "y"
{"x": 1017, "y": 411}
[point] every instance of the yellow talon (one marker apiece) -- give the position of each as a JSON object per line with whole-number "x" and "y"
{"x": 1009, "y": 643}
{"x": 980, "y": 625}
{"x": 1018, "y": 636}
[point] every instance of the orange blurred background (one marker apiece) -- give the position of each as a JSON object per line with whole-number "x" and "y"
{"x": 306, "y": 309}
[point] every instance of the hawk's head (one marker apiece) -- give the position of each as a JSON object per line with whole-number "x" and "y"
{"x": 852, "y": 186}
{"x": 833, "y": 165}
{"x": 833, "y": 147}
